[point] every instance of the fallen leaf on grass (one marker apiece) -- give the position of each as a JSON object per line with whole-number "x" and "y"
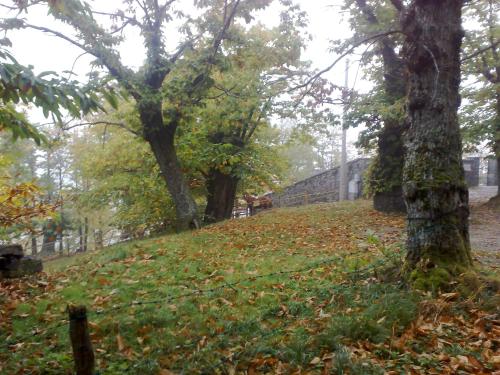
{"x": 120, "y": 343}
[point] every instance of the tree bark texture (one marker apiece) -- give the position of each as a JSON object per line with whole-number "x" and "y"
{"x": 434, "y": 186}
{"x": 221, "y": 194}
{"x": 83, "y": 354}
{"x": 390, "y": 160}
{"x": 497, "y": 136}
{"x": 387, "y": 170}
{"x": 161, "y": 138}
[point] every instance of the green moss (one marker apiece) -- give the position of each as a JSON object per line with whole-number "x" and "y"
{"x": 483, "y": 288}
{"x": 432, "y": 279}
{"x": 381, "y": 178}
{"x": 469, "y": 284}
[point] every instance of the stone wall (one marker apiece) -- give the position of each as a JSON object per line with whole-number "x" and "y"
{"x": 471, "y": 168}
{"x": 323, "y": 187}
{"x": 492, "y": 178}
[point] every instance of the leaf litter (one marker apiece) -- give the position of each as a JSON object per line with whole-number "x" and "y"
{"x": 332, "y": 318}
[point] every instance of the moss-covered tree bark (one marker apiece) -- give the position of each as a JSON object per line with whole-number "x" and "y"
{"x": 386, "y": 171}
{"x": 434, "y": 187}
{"x": 390, "y": 158}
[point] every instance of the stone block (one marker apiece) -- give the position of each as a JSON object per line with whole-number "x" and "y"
{"x": 22, "y": 267}
{"x": 11, "y": 251}
{"x": 471, "y": 169}
{"x": 492, "y": 179}
{"x": 323, "y": 187}
{"x": 14, "y": 264}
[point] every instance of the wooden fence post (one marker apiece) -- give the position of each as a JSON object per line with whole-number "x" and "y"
{"x": 83, "y": 354}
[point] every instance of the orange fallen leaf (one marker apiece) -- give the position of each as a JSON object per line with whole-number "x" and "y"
{"x": 120, "y": 343}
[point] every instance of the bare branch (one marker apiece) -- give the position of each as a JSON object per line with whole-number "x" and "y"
{"x": 107, "y": 123}
{"x": 480, "y": 51}
{"x": 372, "y": 39}
{"x": 180, "y": 51}
{"x": 8, "y": 7}
{"x": 164, "y": 7}
{"x": 58, "y": 34}
{"x": 228, "y": 92}
{"x": 114, "y": 67}
{"x": 228, "y": 19}
{"x": 262, "y": 113}
{"x": 21, "y": 7}
{"x": 145, "y": 10}
{"x": 132, "y": 20}
{"x": 71, "y": 72}
{"x": 120, "y": 29}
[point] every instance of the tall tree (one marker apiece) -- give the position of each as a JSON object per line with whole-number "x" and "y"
{"x": 434, "y": 186}
{"x": 381, "y": 111}
{"x": 159, "y": 124}
{"x": 480, "y": 115}
{"x": 262, "y": 67}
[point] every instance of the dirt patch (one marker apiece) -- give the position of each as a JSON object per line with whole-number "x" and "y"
{"x": 485, "y": 232}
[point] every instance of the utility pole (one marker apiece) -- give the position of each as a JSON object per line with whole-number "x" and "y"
{"x": 343, "y": 157}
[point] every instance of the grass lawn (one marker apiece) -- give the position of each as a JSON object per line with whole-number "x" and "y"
{"x": 299, "y": 290}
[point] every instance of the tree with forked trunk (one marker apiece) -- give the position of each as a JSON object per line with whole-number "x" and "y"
{"x": 234, "y": 118}
{"x": 158, "y": 125}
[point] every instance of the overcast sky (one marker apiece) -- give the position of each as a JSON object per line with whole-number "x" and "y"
{"x": 46, "y": 52}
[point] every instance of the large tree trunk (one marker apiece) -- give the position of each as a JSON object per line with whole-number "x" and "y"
{"x": 161, "y": 138}
{"x": 434, "y": 186}
{"x": 388, "y": 168}
{"x": 221, "y": 193}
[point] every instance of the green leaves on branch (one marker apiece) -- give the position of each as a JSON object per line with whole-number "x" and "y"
{"x": 56, "y": 96}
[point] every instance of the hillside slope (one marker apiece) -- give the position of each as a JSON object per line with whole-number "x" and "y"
{"x": 299, "y": 290}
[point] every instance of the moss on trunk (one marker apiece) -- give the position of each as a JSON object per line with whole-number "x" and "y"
{"x": 434, "y": 186}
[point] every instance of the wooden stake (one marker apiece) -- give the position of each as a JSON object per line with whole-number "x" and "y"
{"x": 83, "y": 354}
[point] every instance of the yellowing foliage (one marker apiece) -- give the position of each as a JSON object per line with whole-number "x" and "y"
{"x": 19, "y": 204}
